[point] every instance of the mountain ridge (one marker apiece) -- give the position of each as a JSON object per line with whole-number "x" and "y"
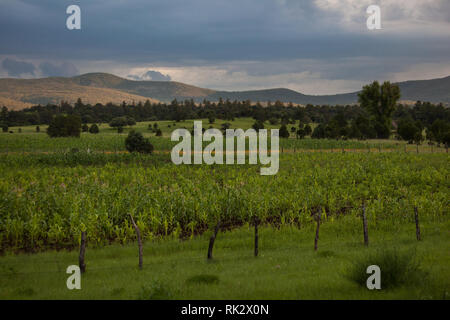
{"x": 104, "y": 87}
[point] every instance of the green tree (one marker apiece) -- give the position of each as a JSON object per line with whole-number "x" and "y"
{"x": 135, "y": 142}
{"x": 380, "y": 102}
{"x": 284, "y": 132}
{"x": 258, "y": 125}
{"x": 65, "y": 126}
{"x": 408, "y": 131}
{"x": 300, "y": 133}
{"x": 439, "y": 129}
{"x": 122, "y": 122}
{"x": 308, "y": 130}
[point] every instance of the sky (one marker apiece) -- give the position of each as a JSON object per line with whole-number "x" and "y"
{"x": 314, "y": 47}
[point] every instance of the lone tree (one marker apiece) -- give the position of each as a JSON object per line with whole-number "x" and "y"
{"x": 65, "y": 126}
{"x": 135, "y": 142}
{"x": 380, "y": 102}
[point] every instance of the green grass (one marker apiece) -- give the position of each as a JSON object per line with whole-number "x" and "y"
{"x": 108, "y": 140}
{"x": 48, "y": 194}
{"x": 287, "y": 268}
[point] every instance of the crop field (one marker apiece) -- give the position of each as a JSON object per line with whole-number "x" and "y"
{"x": 52, "y": 189}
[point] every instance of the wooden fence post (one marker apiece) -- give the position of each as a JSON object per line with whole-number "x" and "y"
{"x": 416, "y": 218}
{"x": 81, "y": 262}
{"x": 256, "y": 236}
{"x": 316, "y": 239}
{"x": 212, "y": 239}
{"x": 138, "y": 233}
{"x": 365, "y": 230}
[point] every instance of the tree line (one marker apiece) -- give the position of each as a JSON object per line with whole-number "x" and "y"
{"x": 377, "y": 115}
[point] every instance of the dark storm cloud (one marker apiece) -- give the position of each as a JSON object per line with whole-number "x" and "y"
{"x": 17, "y": 68}
{"x": 283, "y": 36}
{"x": 65, "y": 69}
{"x": 179, "y": 30}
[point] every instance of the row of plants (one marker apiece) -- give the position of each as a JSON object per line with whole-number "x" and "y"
{"x": 44, "y": 205}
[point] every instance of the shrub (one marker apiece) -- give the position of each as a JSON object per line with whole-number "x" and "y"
{"x": 158, "y": 132}
{"x": 135, "y": 142}
{"x": 4, "y": 127}
{"x": 94, "y": 129}
{"x": 85, "y": 128}
{"x": 396, "y": 268}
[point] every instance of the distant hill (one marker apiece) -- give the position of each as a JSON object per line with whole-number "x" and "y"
{"x": 21, "y": 93}
{"x": 103, "y": 87}
{"x": 160, "y": 90}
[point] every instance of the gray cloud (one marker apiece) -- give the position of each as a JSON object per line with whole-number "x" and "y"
{"x": 17, "y": 68}
{"x": 262, "y": 38}
{"x": 65, "y": 69}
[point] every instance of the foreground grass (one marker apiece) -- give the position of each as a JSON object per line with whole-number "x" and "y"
{"x": 287, "y": 267}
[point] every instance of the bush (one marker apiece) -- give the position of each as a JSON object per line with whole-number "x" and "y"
{"x": 135, "y": 142}
{"x": 85, "y": 128}
{"x": 396, "y": 268}
{"x": 65, "y": 126}
{"x": 94, "y": 129}
{"x": 4, "y": 127}
{"x": 158, "y": 132}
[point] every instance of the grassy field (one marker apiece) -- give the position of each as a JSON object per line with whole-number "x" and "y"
{"x": 287, "y": 268}
{"x": 50, "y": 192}
{"x": 108, "y": 140}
